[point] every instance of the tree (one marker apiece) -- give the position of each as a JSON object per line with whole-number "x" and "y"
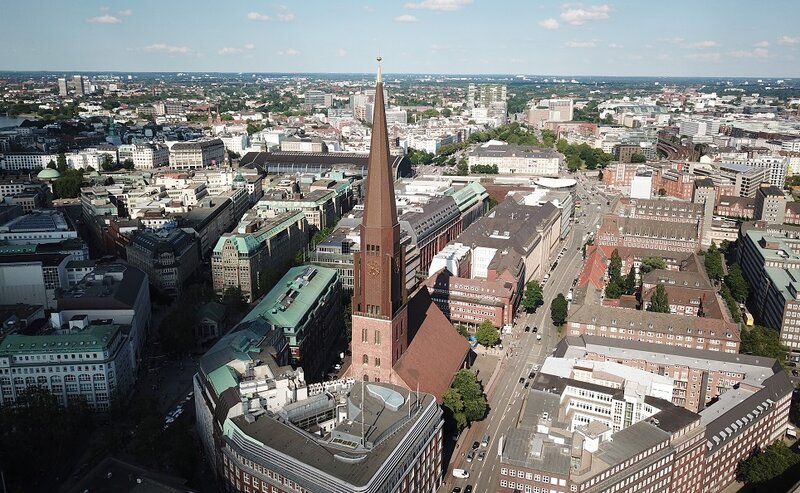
{"x": 615, "y": 265}
{"x": 464, "y": 402}
{"x": 736, "y": 283}
{"x": 52, "y": 164}
{"x": 558, "y": 309}
{"x": 108, "y": 162}
{"x": 61, "y": 163}
{"x": 320, "y": 236}
{"x": 68, "y": 186}
{"x": 487, "y": 334}
{"x": 462, "y": 330}
{"x": 662, "y": 192}
{"x": 766, "y": 465}
{"x": 762, "y": 341}
{"x": 453, "y": 405}
{"x": 652, "y": 263}
{"x": 614, "y": 290}
{"x": 733, "y": 306}
{"x": 659, "y": 302}
{"x": 128, "y": 164}
{"x": 713, "y": 262}
{"x": 533, "y": 296}
{"x": 234, "y": 298}
{"x": 348, "y": 320}
{"x": 446, "y": 112}
{"x": 630, "y": 281}
{"x": 638, "y": 158}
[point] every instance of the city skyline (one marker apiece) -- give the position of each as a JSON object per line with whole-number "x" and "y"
{"x": 430, "y": 36}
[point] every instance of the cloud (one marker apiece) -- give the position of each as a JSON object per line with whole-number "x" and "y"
{"x": 249, "y": 46}
{"x": 664, "y": 57}
{"x": 549, "y": 24}
{"x": 288, "y": 52}
{"x": 255, "y": 16}
{"x": 761, "y": 44}
{"x": 368, "y": 8}
{"x": 579, "y": 16}
{"x": 615, "y": 46}
{"x": 580, "y": 44}
{"x": 702, "y": 45}
{"x": 672, "y": 41}
{"x": 755, "y": 53}
{"x": 104, "y": 19}
{"x": 788, "y": 40}
{"x": 164, "y": 48}
{"x": 105, "y": 9}
{"x": 440, "y": 5}
{"x": 341, "y": 52}
{"x": 405, "y": 18}
{"x": 283, "y": 14}
{"x": 704, "y": 57}
{"x": 230, "y": 51}
{"x": 126, "y": 12}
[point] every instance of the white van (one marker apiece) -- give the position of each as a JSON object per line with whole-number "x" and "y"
{"x": 460, "y": 473}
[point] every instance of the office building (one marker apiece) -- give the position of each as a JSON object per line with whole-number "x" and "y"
{"x": 90, "y": 362}
{"x": 41, "y": 226}
{"x": 303, "y": 144}
{"x": 148, "y": 156}
{"x": 62, "y": 86}
{"x": 78, "y": 82}
{"x": 33, "y": 278}
{"x": 307, "y": 305}
{"x": 771, "y": 266}
{"x": 660, "y": 328}
{"x": 655, "y": 234}
{"x": 319, "y": 207}
{"x": 642, "y": 184}
{"x": 197, "y": 154}
{"x": 746, "y": 179}
{"x": 113, "y": 292}
{"x": 515, "y": 159}
{"x": 483, "y": 95}
{"x": 243, "y": 259}
{"x": 770, "y": 204}
{"x": 168, "y": 257}
{"x": 26, "y": 161}
{"x": 236, "y": 142}
{"x": 398, "y": 339}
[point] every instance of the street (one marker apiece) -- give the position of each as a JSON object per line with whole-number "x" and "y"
{"x": 523, "y": 354}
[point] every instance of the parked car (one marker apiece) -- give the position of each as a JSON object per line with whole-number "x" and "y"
{"x": 485, "y": 441}
{"x": 521, "y": 379}
{"x": 457, "y": 489}
{"x": 470, "y": 455}
{"x": 527, "y": 328}
{"x": 475, "y": 445}
{"x": 482, "y": 456}
{"x": 535, "y": 329}
{"x": 460, "y": 473}
{"x": 468, "y": 489}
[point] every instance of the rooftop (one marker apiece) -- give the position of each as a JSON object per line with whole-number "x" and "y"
{"x": 109, "y": 286}
{"x": 92, "y": 338}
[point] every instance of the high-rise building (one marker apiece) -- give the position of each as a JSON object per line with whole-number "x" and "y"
{"x": 62, "y": 86}
{"x": 413, "y": 347}
{"x": 483, "y": 95}
{"x": 77, "y": 81}
{"x": 705, "y": 194}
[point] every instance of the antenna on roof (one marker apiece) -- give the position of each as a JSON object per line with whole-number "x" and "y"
{"x": 379, "y": 76}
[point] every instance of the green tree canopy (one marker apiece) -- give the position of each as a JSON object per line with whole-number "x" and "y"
{"x": 638, "y": 158}
{"x": 108, "y": 162}
{"x": 630, "y": 281}
{"x": 714, "y": 263}
{"x": 61, "y": 163}
{"x": 736, "y": 283}
{"x": 52, "y": 164}
{"x": 533, "y": 296}
{"x": 652, "y": 263}
{"x": 762, "y": 341}
{"x": 763, "y": 466}
{"x": 558, "y": 309}
{"x": 659, "y": 302}
{"x": 128, "y": 164}
{"x": 462, "y": 330}
{"x": 464, "y": 402}
{"x": 487, "y": 334}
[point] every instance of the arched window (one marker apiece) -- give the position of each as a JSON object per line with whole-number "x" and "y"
{"x": 366, "y": 377}
{"x": 365, "y": 360}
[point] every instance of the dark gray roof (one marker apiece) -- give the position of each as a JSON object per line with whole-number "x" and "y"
{"x": 196, "y": 144}
{"x": 631, "y": 441}
{"x": 285, "y": 161}
{"x": 502, "y": 150}
{"x": 101, "y": 291}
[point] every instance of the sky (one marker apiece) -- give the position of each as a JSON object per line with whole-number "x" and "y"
{"x": 725, "y": 38}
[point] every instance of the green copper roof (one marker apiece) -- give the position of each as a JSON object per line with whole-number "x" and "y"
{"x": 212, "y": 310}
{"x": 469, "y": 195}
{"x": 223, "y": 378}
{"x": 92, "y": 338}
{"x": 12, "y": 249}
{"x": 245, "y": 243}
{"x": 288, "y": 304}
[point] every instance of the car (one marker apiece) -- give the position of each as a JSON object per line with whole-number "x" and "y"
{"x": 470, "y": 455}
{"x": 475, "y": 445}
{"x": 460, "y": 473}
{"x": 527, "y": 328}
{"x": 531, "y": 374}
{"x": 485, "y": 441}
{"x": 468, "y": 489}
{"x": 457, "y": 489}
{"x": 527, "y": 384}
{"x": 538, "y": 337}
{"x": 521, "y": 379}
{"x": 535, "y": 329}
{"x": 337, "y": 366}
{"x": 482, "y": 456}
{"x": 795, "y": 373}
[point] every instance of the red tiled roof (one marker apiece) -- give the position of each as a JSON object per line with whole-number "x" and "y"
{"x": 595, "y": 268}
{"x": 437, "y": 351}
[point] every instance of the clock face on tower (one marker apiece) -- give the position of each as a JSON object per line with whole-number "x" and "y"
{"x": 373, "y": 268}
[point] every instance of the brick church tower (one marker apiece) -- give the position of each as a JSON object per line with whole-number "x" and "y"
{"x": 380, "y": 318}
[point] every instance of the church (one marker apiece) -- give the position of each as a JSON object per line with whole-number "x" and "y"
{"x": 397, "y": 338}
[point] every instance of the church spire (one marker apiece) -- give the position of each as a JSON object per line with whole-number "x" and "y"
{"x": 379, "y": 76}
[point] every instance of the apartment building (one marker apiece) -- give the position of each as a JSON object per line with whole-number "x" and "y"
{"x": 25, "y": 161}
{"x": 318, "y": 207}
{"x": 746, "y": 179}
{"x": 655, "y": 234}
{"x": 736, "y": 207}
